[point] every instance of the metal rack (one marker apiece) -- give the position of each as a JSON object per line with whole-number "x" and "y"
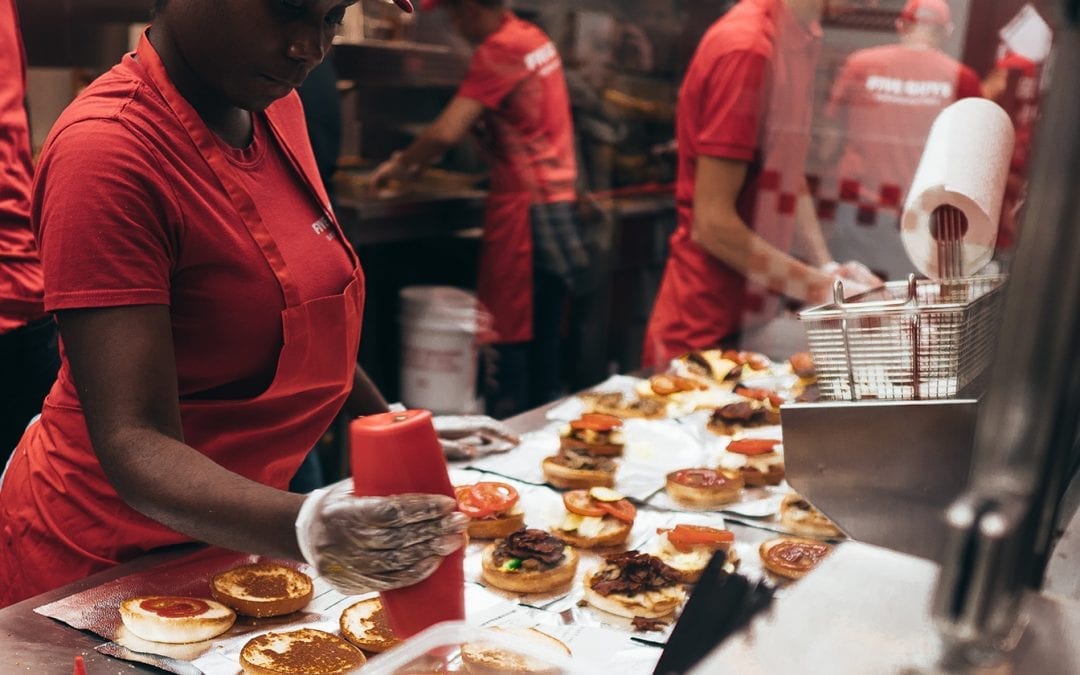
{"x": 908, "y": 341}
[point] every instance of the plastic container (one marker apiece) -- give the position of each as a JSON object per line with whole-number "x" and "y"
{"x": 438, "y": 650}
{"x": 398, "y": 453}
{"x": 440, "y": 330}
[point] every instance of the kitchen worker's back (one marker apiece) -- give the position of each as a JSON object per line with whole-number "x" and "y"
{"x": 526, "y": 130}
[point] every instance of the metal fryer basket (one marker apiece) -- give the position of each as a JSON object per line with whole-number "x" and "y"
{"x": 912, "y": 340}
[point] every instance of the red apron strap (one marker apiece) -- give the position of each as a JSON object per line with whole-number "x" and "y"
{"x": 203, "y": 139}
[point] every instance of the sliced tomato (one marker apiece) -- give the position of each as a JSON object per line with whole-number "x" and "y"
{"x": 621, "y": 510}
{"x": 750, "y": 392}
{"x": 485, "y": 498}
{"x": 752, "y": 446}
{"x": 596, "y": 422}
{"x": 734, "y": 356}
{"x": 685, "y": 537}
{"x": 757, "y": 361}
{"x": 579, "y": 502}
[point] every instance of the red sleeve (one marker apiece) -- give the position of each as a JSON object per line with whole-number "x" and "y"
{"x": 732, "y": 106}
{"x": 968, "y": 84}
{"x": 493, "y": 74}
{"x": 100, "y": 209}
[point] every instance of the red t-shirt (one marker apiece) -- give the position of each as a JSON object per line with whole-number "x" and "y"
{"x": 20, "y": 270}
{"x": 747, "y": 96}
{"x": 516, "y": 73}
{"x": 884, "y": 101}
{"x": 149, "y": 223}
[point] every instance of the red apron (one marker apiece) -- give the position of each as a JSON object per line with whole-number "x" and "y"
{"x": 505, "y": 282}
{"x": 61, "y": 518}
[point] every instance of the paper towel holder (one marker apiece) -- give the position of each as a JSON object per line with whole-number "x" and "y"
{"x": 948, "y": 225}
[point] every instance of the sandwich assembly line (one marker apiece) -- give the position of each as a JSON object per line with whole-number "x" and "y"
{"x": 539, "y": 336}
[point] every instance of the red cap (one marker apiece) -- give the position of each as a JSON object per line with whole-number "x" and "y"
{"x": 927, "y": 11}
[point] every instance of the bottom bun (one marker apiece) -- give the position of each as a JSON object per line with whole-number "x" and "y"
{"x": 706, "y": 497}
{"x": 486, "y": 659}
{"x": 366, "y": 625}
{"x": 566, "y": 478}
{"x": 307, "y": 651}
{"x": 650, "y": 604}
{"x": 800, "y": 517}
{"x": 175, "y": 620}
{"x": 529, "y": 581}
{"x": 792, "y": 557}
{"x": 614, "y": 533}
{"x": 497, "y": 528}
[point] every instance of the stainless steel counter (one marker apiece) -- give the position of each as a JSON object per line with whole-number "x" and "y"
{"x": 35, "y": 644}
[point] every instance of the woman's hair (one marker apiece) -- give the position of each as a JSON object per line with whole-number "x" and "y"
{"x": 158, "y": 6}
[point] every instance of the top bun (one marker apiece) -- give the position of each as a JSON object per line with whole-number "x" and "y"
{"x": 366, "y": 625}
{"x": 263, "y": 589}
{"x": 300, "y": 652}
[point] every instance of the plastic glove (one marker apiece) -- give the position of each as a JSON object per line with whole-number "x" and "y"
{"x": 854, "y": 270}
{"x": 855, "y": 276}
{"x": 363, "y": 544}
{"x": 470, "y": 436}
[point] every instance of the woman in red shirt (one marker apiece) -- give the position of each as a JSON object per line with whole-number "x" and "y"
{"x": 209, "y": 309}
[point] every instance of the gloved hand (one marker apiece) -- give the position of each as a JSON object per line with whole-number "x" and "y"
{"x": 470, "y": 436}
{"x": 363, "y": 544}
{"x": 859, "y": 273}
{"x": 856, "y": 277}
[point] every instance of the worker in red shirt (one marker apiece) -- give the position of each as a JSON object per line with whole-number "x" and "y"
{"x": 879, "y": 115}
{"x": 209, "y": 307}
{"x": 742, "y": 202}
{"x": 514, "y": 99}
{"x": 1013, "y": 83}
{"x": 28, "y": 353}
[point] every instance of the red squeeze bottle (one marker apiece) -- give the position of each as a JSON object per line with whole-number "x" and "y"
{"x": 397, "y": 453}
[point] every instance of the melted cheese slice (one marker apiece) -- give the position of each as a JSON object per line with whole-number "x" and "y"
{"x": 588, "y": 526}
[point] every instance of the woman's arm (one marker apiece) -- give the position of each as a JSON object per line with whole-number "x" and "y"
{"x": 365, "y": 398}
{"x": 719, "y": 229}
{"x": 123, "y": 364}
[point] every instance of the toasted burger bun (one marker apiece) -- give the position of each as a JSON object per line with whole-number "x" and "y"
{"x": 650, "y": 604}
{"x": 767, "y": 469}
{"x": 263, "y": 589}
{"x": 799, "y": 568}
{"x": 566, "y": 478}
{"x": 529, "y": 581}
{"x": 365, "y": 624}
{"x": 614, "y": 533}
{"x": 807, "y": 522}
{"x": 595, "y": 449}
{"x": 498, "y": 527}
{"x": 174, "y": 619}
{"x": 485, "y": 659}
{"x": 307, "y": 651}
{"x": 690, "y": 565}
{"x": 706, "y": 496}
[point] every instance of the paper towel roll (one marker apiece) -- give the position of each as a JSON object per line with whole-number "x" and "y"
{"x": 965, "y": 164}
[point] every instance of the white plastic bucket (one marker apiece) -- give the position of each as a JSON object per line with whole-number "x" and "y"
{"x": 439, "y": 329}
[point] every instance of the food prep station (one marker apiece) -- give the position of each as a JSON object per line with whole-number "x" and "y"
{"x": 964, "y": 515}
